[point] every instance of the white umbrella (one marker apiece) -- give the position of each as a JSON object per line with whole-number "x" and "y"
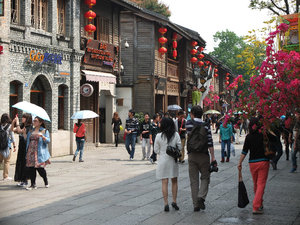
{"x": 212, "y": 111}
{"x": 84, "y": 114}
{"x": 174, "y": 107}
{"x": 32, "y": 109}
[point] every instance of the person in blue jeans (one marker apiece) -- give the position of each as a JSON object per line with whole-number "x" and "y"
{"x": 131, "y": 130}
{"x": 225, "y": 138}
{"x": 80, "y": 130}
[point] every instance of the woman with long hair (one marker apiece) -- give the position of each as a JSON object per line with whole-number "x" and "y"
{"x": 80, "y": 130}
{"x": 116, "y": 122}
{"x": 258, "y": 163}
{"x": 167, "y": 167}
{"x": 21, "y": 173}
{"x": 37, "y": 155}
{"x": 5, "y": 152}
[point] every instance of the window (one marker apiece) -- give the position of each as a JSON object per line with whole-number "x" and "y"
{"x": 39, "y": 14}
{"x": 102, "y": 32}
{"x": 61, "y": 16}
{"x": 15, "y": 91}
{"x": 1, "y": 7}
{"x": 15, "y": 12}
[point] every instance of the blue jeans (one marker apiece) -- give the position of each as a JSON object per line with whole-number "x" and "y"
{"x": 294, "y": 155}
{"x": 130, "y": 140}
{"x": 80, "y": 145}
{"x": 223, "y": 143}
{"x": 278, "y": 148}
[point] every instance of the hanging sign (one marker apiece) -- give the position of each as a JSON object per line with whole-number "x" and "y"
{"x": 86, "y": 90}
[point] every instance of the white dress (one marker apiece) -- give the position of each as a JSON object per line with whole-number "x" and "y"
{"x": 166, "y": 167}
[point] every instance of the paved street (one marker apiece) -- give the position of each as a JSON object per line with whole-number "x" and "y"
{"x": 109, "y": 189}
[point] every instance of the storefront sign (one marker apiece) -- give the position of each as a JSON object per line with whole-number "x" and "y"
{"x": 173, "y": 88}
{"x": 86, "y": 90}
{"x": 99, "y": 54}
{"x": 36, "y": 56}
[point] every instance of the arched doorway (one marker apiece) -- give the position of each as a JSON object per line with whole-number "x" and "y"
{"x": 41, "y": 93}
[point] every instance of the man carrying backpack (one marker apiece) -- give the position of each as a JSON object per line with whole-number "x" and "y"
{"x": 198, "y": 143}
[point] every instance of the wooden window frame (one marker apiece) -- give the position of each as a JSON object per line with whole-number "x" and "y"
{"x": 102, "y": 29}
{"x": 15, "y": 13}
{"x": 61, "y": 20}
{"x": 1, "y": 7}
{"x": 39, "y": 14}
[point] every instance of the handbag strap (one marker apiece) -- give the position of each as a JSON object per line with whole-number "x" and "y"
{"x": 78, "y": 128}
{"x": 240, "y": 176}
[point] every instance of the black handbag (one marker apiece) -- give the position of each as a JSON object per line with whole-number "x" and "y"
{"x": 173, "y": 152}
{"x": 243, "y": 199}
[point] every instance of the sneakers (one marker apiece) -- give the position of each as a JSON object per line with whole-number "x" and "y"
{"x": 32, "y": 187}
{"x": 201, "y": 203}
{"x": 130, "y": 158}
{"x": 47, "y": 185}
{"x": 22, "y": 184}
{"x": 293, "y": 170}
{"x": 74, "y": 157}
{"x": 7, "y": 179}
{"x": 81, "y": 160}
{"x": 259, "y": 211}
{"x": 227, "y": 160}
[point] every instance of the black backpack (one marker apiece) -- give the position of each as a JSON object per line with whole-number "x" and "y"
{"x": 3, "y": 138}
{"x": 197, "y": 139}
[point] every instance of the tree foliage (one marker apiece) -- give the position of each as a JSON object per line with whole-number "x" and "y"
{"x": 277, "y": 7}
{"x": 155, "y": 6}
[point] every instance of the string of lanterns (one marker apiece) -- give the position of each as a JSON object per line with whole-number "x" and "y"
{"x": 162, "y": 40}
{"x": 227, "y": 78}
{"x": 174, "y": 45}
{"x": 90, "y": 15}
{"x": 194, "y": 52}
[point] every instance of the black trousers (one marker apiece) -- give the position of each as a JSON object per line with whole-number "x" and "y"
{"x": 117, "y": 139}
{"x": 32, "y": 174}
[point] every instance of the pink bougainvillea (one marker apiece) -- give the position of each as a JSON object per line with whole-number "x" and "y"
{"x": 211, "y": 98}
{"x": 276, "y": 90}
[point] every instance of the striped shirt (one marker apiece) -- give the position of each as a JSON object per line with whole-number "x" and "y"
{"x": 189, "y": 127}
{"x": 132, "y": 125}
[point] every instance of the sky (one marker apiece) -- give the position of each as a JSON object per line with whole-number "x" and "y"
{"x": 209, "y": 16}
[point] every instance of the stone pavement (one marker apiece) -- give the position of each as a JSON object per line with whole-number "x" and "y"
{"x": 109, "y": 189}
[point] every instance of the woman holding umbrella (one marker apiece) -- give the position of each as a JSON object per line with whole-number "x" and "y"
{"x": 37, "y": 155}
{"x": 80, "y": 130}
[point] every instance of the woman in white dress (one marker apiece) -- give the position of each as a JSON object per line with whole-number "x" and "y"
{"x": 167, "y": 167}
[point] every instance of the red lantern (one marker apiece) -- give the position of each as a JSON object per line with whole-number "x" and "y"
{"x": 174, "y": 44}
{"x": 227, "y": 74}
{"x": 162, "y": 50}
{"x": 174, "y": 36}
{"x": 162, "y": 30}
{"x": 201, "y": 49}
{"x": 194, "y": 43}
{"x": 207, "y": 62}
{"x": 90, "y": 28}
{"x": 216, "y": 75}
{"x": 90, "y": 3}
{"x": 201, "y": 56}
{"x": 227, "y": 78}
{"x": 227, "y": 82}
{"x": 216, "y": 70}
{"x": 174, "y": 54}
{"x": 90, "y": 15}
{"x": 206, "y": 67}
{"x": 194, "y": 51}
{"x": 200, "y": 63}
{"x": 194, "y": 60}
{"x": 162, "y": 40}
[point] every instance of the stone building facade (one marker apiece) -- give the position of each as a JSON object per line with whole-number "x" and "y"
{"x": 41, "y": 62}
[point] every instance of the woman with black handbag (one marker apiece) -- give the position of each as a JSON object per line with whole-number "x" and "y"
{"x": 167, "y": 167}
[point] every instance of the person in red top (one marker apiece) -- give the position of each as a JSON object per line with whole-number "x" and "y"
{"x": 79, "y": 129}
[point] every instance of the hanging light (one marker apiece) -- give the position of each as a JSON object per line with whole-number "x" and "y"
{"x": 90, "y": 28}
{"x": 174, "y": 54}
{"x": 194, "y": 60}
{"x": 194, "y": 43}
{"x": 90, "y": 15}
{"x": 216, "y": 70}
{"x": 162, "y": 30}
{"x": 194, "y": 51}
{"x": 162, "y": 50}
{"x": 227, "y": 78}
{"x": 162, "y": 40}
{"x": 90, "y": 3}
{"x": 227, "y": 82}
{"x": 200, "y": 63}
{"x": 216, "y": 75}
{"x": 201, "y": 56}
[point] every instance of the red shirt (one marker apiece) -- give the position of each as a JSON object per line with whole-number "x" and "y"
{"x": 81, "y": 130}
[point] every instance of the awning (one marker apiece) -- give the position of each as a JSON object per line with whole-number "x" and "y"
{"x": 99, "y": 76}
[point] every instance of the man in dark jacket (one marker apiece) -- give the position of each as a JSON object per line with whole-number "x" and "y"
{"x": 131, "y": 130}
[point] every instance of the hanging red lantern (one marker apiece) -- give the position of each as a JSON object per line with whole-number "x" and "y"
{"x": 206, "y": 67}
{"x": 201, "y": 56}
{"x": 201, "y": 49}
{"x": 194, "y": 51}
{"x": 162, "y": 30}
{"x": 194, "y": 43}
{"x": 174, "y": 36}
{"x": 162, "y": 40}
{"x": 194, "y": 60}
{"x": 90, "y": 28}
{"x": 174, "y": 54}
{"x": 90, "y": 15}
{"x": 207, "y": 62}
{"x": 200, "y": 63}
{"x": 162, "y": 50}
{"x": 216, "y": 70}
{"x": 216, "y": 75}
{"x": 227, "y": 74}
{"x": 227, "y": 78}
{"x": 227, "y": 82}
{"x": 174, "y": 44}
{"x": 90, "y": 3}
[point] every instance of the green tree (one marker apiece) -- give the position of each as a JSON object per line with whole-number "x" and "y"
{"x": 229, "y": 46}
{"x": 155, "y": 6}
{"x": 277, "y": 7}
